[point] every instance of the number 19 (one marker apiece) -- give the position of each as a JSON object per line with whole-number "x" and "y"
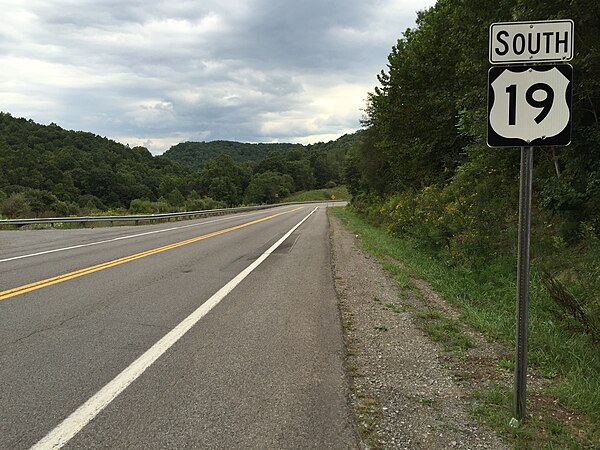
{"x": 545, "y": 104}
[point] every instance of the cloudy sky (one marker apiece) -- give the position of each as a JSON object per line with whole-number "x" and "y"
{"x": 159, "y": 72}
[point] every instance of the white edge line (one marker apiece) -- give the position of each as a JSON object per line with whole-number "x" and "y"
{"x": 127, "y": 237}
{"x": 69, "y": 427}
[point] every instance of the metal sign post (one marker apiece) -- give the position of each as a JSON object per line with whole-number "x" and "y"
{"x": 520, "y": 382}
{"x": 528, "y": 105}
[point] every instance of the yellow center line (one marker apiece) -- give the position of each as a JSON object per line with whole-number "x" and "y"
{"x": 116, "y": 262}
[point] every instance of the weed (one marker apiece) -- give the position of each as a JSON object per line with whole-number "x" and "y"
{"x": 368, "y": 411}
{"x": 506, "y": 364}
{"x": 398, "y": 273}
{"x": 394, "y": 308}
{"x": 443, "y": 329}
{"x": 421, "y": 399}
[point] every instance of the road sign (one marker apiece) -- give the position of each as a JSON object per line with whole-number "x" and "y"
{"x": 529, "y": 42}
{"x": 529, "y": 106}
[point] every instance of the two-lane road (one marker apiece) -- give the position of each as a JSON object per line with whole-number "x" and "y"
{"x": 213, "y": 333}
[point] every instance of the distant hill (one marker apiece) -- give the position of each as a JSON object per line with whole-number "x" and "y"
{"x": 196, "y": 154}
{"x": 45, "y": 168}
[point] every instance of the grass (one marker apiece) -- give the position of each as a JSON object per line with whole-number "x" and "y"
{"x": 340, "y": 193}
{"x": 550, "y": 431}
{"x": 444, "y": 330}
{"x": 486, "y": 300}
{"x": 368, "y": 411}
{"x": 393, "y": 308}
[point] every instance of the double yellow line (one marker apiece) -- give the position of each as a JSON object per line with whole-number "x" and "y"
{"x": 116, "y": 262}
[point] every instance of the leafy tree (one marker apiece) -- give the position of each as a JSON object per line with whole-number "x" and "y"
{"x": 426, "y": 129}
{"x": 15, "y": 206}
{"x": 302, "y": 173}
{"x": 274, "y": 162}
{"x": 224, "y": 180}
{"x": 269, "y": 187}
{"x": 175, "y": 198}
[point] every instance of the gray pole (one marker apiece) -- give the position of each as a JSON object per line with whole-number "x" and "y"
{"x": 523, "y": 281}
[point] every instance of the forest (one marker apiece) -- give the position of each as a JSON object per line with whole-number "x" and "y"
{"x": 423, "y": 165}
{"x": 196, "y": 154}
{"x": 49, "y": 171}
{"x": 423, "y": 170}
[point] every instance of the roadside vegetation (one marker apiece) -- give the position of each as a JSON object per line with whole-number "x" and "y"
{"x": 423, "y": 171}
{"x": 428, "y": 191}
{"x": 564, "y": 362}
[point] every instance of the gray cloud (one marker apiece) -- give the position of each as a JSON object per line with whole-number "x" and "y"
{"x": 158, "y": 72}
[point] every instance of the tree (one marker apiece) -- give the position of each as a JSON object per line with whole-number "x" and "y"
{"x": 175, "y": 198}
{"x": 273, "y": 162}
{"x": 224, "y": 180}
{"x": 326, "y": 168}
{"x": 302, "y": 174}
{"x": 269, "y": 187}
{"x": 15, "y": 206}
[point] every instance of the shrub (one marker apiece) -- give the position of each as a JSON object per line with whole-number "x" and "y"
{"x": 16, "y": 206}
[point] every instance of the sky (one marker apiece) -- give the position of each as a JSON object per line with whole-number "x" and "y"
{"x": 156, "y": 73}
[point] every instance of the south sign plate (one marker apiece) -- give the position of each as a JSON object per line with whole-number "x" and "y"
{"x": 529, "y": 106}
{"x": 531, "y": 42}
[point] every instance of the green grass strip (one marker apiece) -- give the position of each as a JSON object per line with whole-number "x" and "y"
{"x": 339, "y": 192}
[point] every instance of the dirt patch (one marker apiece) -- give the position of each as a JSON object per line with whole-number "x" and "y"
{"x": 406, "y": 393}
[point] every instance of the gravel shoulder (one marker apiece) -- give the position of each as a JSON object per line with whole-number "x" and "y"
{"x": 405, "y": 391}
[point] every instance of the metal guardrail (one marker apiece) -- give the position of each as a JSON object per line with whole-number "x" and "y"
{"x": 146, "y": 217}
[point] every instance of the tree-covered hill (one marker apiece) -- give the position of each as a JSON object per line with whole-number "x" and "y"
{"x": 424, "y": 151}
{"x": 46, "y": 170}
{"x": 196, "y": 154}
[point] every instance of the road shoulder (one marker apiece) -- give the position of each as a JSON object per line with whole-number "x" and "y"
{"x": 404, "y": 391}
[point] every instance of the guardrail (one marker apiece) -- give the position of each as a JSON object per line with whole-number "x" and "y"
{"x": 146, "y": 217}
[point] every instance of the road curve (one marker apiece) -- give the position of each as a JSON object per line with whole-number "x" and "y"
{"x": 262, "y": 368}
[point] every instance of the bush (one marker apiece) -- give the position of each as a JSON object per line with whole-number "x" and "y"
{"x": 65, "y": 208}
{"x": 91, "y": 203}
{"x": 204, "y": 203}
{"x": 16, "y": 206}
{"x": 141, "y": 206}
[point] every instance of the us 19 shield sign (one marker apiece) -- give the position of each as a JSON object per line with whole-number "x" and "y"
{"x": 529, "y": 106}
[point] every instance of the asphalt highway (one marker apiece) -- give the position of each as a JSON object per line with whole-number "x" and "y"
{"x": 213, "y": 333}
